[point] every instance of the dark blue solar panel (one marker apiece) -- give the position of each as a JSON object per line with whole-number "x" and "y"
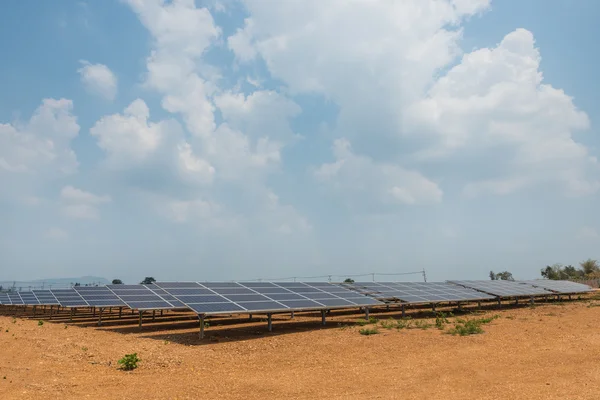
{"x": 257, "y": 284}
{"x": 285, "y": 296}
{"x": 45, "y": 297}
{"x": 300, "y": 304}
{"x": 317, "y": 296}
{"x": 4, "y": 299}
{"x": 228, "y": 291}
{"x": 261, "y": 305}
{"x": 140, "y": 297}
{"x": 236, "y": 298}
{"x": 173, "y": 285}
{"x": 189, "y": 291}
{"x": 271, "y": 290}
{"x": 15, "y": 298}
{"x": 201, "y": 299}
{"x": 335, "y": 302}
{"x": 29, "y": 298}
{"x": 213, "y": 285}
{"x": 149, "y": 305}
{"x": 215, "y": 308}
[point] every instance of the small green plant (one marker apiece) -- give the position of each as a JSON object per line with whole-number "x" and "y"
{"x": 129, "y": 362}
{"x": 389, "y": 324}
{"x": 440, "y": 320}
{"x": 14, "y": 320}
{"x": 404, "y": 323}
{"x": 371, "y": 320}
{"x": 369, "y": 331}
{"x": 40, "y": 322}
{"x": 84, "y": 349}
{"x": 422, "y": 325}
{"x": 470, "y": 327}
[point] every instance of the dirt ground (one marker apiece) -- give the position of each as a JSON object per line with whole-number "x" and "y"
{"x": 550, "y": 351}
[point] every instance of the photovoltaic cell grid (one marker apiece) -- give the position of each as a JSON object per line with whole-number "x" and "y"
{"x": 69, "y": 298}
{"x": 503, "y": 288}
{"x": 417, "y": 292}
{"x": 166, "y": 296}
{"x": 45, "y": 297}
{"x": 249, "y": 297}
{"x": 4, "y": 299}
{"x": 29, "y": 298}
{"x": 14, "y": 298}
{"x": 563, "y": 287}
{"x": 140, "y": 297}
{"x": 99, "y": 296}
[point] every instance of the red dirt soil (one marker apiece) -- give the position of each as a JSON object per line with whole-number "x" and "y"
{"x": 546, "y": 352}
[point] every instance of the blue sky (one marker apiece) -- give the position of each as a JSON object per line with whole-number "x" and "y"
{"x": 249, "y": 139}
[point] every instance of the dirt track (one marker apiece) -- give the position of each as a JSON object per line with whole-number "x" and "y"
{"x": 546, "y": 352}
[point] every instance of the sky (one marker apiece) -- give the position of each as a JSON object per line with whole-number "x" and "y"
{"x": 231, "y": 140}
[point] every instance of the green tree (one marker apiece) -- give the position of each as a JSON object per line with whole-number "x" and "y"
{"x": 148, "y": 280}
{"x": 117, "y": 282}
{"x": 505, "y": 276}
{"x": 348, "y": 280}
{"x": 590, "y": 267}
{"x": 493, "y": 276}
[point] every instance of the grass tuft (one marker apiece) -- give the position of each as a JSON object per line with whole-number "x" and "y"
{"x": 368, "y": 331}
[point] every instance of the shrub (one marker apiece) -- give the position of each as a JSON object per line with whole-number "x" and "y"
{"x": 129, "y": 362}
{"x": 441, "y": 320}
{"x": 404, "y": 323}
{"x": 368, "y": 331}
{"x": 470, "y": 327}
{"x": 422, "y": 325}
{"x": 40, "y": 322}
{"x": 389, "y": 324}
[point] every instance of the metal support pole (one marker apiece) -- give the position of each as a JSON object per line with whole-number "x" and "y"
{"x": 250, "y": 317}
{"x": 140, "y": 323}
{"x": 292, "y": 315}
{"x": 322, "y": 317}
{"x": 403, "y": 311}
{"x": 459, "y": 305}
{"x": 161, "y": 313}
{"x": 33, "y": 311}
{"x": 269, "y": 323}
{"x": 100, "y": 316}
{"x": 433, "y": 306}
{"x": 479, "y": 305}
{"x": 93, "y": 311}
{"x": 120, "y": 312}
{"x": 516, "y": 300}
{"x": 387, "y": 307}
{"x": 72, "y": 314}
{"x": 51, "y": 312}
{"x": 499, "y": 303}
{"x": 569, "y": 298}
{"x": 366, "y": 313}
{"x": 531, "y": 300}
{"x": 559, "y": 299}
{"x": 153, "y": 315}
{"x": 201, "y": 318}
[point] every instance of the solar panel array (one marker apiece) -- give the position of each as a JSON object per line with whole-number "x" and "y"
{"x": 4, "y": 299}
{"x": 69, "y": 298}
{"x": 563, "y": 287}
{"x": 140, "y": 297}
{"x": 99, "y": 296}
{"x": 15, "y": 298}
{"x": 45, "y": 297}
{"x": 418, "y": 292}
{"x": 166, "y": 296}
{"x": 29, "y": 298}
{"x": 249, "y": 297}
{"x": 502, "y": 288}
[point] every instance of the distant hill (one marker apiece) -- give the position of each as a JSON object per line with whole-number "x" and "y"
{"x": 56, "y": 282}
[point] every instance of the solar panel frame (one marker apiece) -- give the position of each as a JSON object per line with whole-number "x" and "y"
{"x": 559, "y": 286}
{"x": 45, "y": 297}
{"x": 29, "y": 299}
{"x": 417, "y": 292}
{"x": 15, "y": 299}
{"x": 99, "y": 296}
{"x": 4, "y": 299}
{"x": 140, "y": 297}
{"x": 69, "y": 298}
{"x": 268, "y": 297}
{"x": 502, "y": 288}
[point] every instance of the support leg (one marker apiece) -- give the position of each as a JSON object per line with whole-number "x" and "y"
{"x": 366, "y": 313}
{"x": 33, "y": 311}
{"x": 100, "y": 316}
{"x": 269, "y": 323}
{"x": 433, "y": 307}
{"x": 72, "y": 314}
{"x": 499, "y": 303}
{"x": 323, "y": 317}
{"x": 120, "y": 312}
{"x": 93, "y": 311}
{"x": 479, "y": 305}
{"x": 249, "y": 317}
{"x": 140, "y": 323}
{"x": 459, "y": 306}
{"x": 51, "y": 312}
{"x": 153, "y": 315}
{"x": 531, "y": 300}
{"x": 516, "y": 300}
{"x": 201, "y": 318}
{"x": 292, "y": 315}
{"x": 403, "y": 311}
{"x": 161, "y": 313}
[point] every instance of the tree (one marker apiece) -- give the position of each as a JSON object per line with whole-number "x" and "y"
{"x": 590, "y": 267}
{"x": 348, "y": 280}
{"x": 493, "y": 276}
{"x": 504, "y": 276}
{"x": 117, "y": 282}
{"x": 77, "y": 284}
{"x": 148, "y": 280}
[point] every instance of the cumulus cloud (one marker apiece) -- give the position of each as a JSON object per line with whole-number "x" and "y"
{"x": 40, "y": 146}
{"x": 80, "y": 204}
{"x": 385, "y": 183}
{"x": 98, "y": 79}
{"x": 495, "y": 98}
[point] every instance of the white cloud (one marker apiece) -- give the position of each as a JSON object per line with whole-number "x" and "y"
{"x": 98, "y": 79}
{"x": 80, "y": 204}
{"x": 40, "y": 146}
{"x": 495, "y": 99}
{"x": 385, "y": 183}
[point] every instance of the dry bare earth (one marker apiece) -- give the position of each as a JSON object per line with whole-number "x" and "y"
{"x": 546, "y": 352}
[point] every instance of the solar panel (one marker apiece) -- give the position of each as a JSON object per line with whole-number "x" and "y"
{"x": 45, "y": 297}
{"x": 418, "y": 292}
{"x": 563, "y": 287}
{"x": 140, "y": 297}
{"x": 502, "y": 288}
{"x": 15, "y": 299}
{"x": 69, "y": 298}
{"x": 99, "y": 296}
{"x": 29, "y": 298}
{"x": 242, "y": 297}
{"x": 4, "y": 299}
{"x": 166, "y": 296}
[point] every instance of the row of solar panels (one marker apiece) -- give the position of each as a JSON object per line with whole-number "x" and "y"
{"x": 254, "y": 297}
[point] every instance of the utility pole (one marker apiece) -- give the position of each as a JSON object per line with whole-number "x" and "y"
{"x": 424, "y": 275}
